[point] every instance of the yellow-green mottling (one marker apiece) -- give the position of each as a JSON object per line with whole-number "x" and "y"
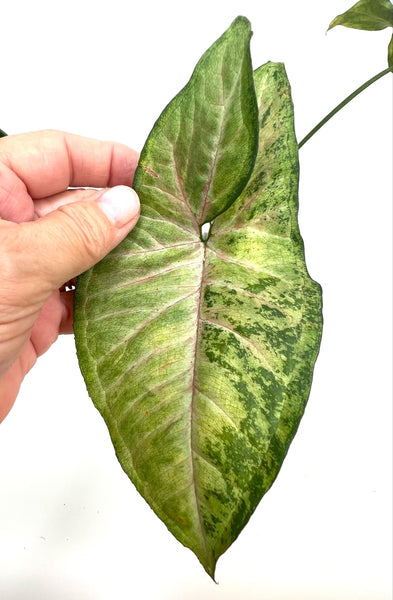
{"x": 199, "y": 354}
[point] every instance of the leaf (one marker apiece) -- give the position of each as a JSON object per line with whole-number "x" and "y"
{"x": 199, "y": 354}
{"x": 2, "y": 133}
{"x": 371, "y": 15}
{"x": 210, "y": 126}
{"x": 390, "y": 53}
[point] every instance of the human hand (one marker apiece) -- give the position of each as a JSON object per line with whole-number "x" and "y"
{"x": 49, "y": 234}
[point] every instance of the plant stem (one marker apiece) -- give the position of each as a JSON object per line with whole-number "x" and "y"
{"x": 344, "y": 103}
{"x": 2, "y": 133}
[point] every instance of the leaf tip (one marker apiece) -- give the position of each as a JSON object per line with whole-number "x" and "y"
{"x": 210, "y": 568}
{"x": 208, "y": 559}
{"x": 332, "y": 24}
{"x": 240, "y": 19}
{"x": 241, "y": 23}
{"x": 339, "y": 20}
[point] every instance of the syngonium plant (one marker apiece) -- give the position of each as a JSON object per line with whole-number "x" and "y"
{"x": 197, "y": 336}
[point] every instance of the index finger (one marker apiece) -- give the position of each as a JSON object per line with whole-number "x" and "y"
{"x": 49, "y": 162}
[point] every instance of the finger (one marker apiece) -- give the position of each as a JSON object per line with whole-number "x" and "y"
{"x": 15, "y": 203}
{"x": 10, "y": 383}
{"x": 44, "y": 206}
{"x": 64, "y": 243}
{"x": 48, "y": 162}
{"x": 45, "y": 330}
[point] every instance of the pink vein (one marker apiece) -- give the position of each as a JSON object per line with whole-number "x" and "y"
{"x": 142, "y": 360}
{"x": 144, "y": 279}
{"x": 218, "y": 407}
{"x": 145, "y": 324}
{"x": 130, "y": 254}
{"x": 245, "y": 340}
{"x": 212, "y": 169}
{"x": 247, "y": 265}
{"x": 158, "y": 274}
{"x": 218, "y": 146}
{"x": 159, "y": 386}
{"x": 258, "y": 297}
{"x": 180, "y": 185}
{"x": 163, "y": 427}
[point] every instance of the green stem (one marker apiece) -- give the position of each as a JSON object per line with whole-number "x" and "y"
{"x": 2, "y": 133}
{"x": 344, "y": 103}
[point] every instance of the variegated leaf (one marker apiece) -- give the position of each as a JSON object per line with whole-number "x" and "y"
{"x": 199, "y": 352}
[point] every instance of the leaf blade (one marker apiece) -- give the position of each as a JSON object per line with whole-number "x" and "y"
{"x": 138, "y": 420}
{"x": 256, "y": 334}
{"x": 176, "y": 366}
{"x": 204, "y": 126}
{"x": 369, "y": 15}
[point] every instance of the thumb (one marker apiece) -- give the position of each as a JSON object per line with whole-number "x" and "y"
{"x": 75, "y": 236}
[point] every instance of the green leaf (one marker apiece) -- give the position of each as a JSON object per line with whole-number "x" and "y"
{"x": 390, "y": 53}
{"x": 209, "y": 127}
{"x": 2, "y": 133}
{"x": 199, "y": 355}
{"x": 371, "y": 15}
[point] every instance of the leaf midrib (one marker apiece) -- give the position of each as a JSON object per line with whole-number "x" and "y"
{"x": 226, "y": 103}
{"x": 192, "y": 410}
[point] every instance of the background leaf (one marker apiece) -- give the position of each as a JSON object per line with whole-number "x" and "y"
{"x": 371, "y": 15}
{"x": 200, "y": 355}
{"x": 390, "y": 53}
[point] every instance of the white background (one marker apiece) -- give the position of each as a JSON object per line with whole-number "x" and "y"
{"x": 72, "y": 526}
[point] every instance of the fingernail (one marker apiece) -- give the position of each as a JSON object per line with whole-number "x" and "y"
{"x": 120, "y": 204}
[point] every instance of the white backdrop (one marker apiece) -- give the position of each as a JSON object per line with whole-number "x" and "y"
{"x": 72, "y": 526}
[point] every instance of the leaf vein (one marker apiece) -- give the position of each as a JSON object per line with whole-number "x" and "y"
{"x": 117, "y": 287}
{"x": 246, "y": 265}
{"x": 135, "y": 450}
{"x": 151, "y": 390}
{"x": 245, "y": 340}
{"x": 145, "y": 324}
{"x": 259, "y": 297}
{"x": 142, "y": 360}
{"x": 128, "y": 253}
{"x": 209, "y": 462}
{"x": 216, "y": 405}
{"x": 192, "y": 411}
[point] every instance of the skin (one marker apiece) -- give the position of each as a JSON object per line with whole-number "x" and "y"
{"x": 49, "y": 234}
